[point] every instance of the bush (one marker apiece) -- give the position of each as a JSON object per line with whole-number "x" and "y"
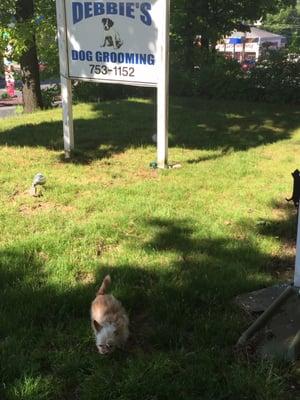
{"x": 275, "y": 78}
{"x": 50, "y": 95}
{"x": 222, "y": 79}
{"x": 96, "y": 92}
{"x": 212, "y": 77}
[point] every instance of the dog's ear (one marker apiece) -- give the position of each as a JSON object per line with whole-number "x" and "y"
{"x": 103, "y": 20}
{"x": 97, "y": 326}
{"x": 110, "y": 22}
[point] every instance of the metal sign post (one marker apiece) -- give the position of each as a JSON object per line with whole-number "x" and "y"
{"x": 297, "y": 261}
{"x": 163, "y": 91}
{"x": 66, "y": 88}
{"x": 115, "y": 42}
{"x": 295, "y": 198}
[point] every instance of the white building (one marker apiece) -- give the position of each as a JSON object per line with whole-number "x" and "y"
{"x": 248, "y": 45}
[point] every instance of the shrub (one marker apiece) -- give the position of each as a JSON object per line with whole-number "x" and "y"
{"x": 50, "y": 95}
{"x": 212, "y": 77}
{"x": 96, "y": 92}
{"x": 275, "y": 78}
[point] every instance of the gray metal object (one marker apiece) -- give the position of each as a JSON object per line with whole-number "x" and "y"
{"x": 294, "y": 348}
{"x": 281, "y": 317}
{"x": 265, "y": 316}
{"x": 38, "y": 180}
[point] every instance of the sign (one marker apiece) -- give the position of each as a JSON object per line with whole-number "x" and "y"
{"x": 235, "y": 40}
{"x": 114, "y": 41}
{"x": 240, "y": 47}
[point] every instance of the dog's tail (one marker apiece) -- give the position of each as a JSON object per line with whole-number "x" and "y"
{"x": 105, "y": 284}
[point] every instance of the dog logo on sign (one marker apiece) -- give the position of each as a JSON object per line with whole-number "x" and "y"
{"x": 111, "y": 36}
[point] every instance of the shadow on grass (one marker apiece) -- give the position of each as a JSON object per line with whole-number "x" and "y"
{"x": 181, "y": 315}
{"x": 194, "y": 124}
{"x": 283, "y": 228}
{"x": 45, "y": 338}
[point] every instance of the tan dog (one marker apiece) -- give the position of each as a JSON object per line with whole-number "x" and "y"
{"x": 109, "y": 320}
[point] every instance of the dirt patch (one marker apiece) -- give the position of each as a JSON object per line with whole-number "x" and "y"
{"x": 43, "y": 207}
{"x": 147, "y": 174}
{"x": 102, "y": 247}
{"x": 85, "y": 277}
{"x": 281, "y": 265}
{"x": 42, "y": 256}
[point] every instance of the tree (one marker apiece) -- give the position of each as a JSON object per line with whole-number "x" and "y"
{"x": 213, "y": 19}
{"x": 287, "y": 23}
{"x": 28, "y": 25}
{"x": 28, "y": 60}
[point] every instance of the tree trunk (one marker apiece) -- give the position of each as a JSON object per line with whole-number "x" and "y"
{"x": 32, "y": 96}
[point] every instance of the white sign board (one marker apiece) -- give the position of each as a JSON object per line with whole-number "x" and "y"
{"x": 114, "y": 41}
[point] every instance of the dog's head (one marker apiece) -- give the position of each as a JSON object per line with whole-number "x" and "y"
{"x": 107, "y": 23}
{"x": 106, "y": 337}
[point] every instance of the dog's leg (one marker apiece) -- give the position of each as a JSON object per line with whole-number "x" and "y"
{"x": 104, "y": 43}
{"x": 114, "y": 42}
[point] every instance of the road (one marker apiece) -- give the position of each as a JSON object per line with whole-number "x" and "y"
{"x": 8, "y": 108}
{"x": 7, "y": 111}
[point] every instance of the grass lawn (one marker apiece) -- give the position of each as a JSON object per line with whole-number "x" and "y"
{"x": 179, "y": 245}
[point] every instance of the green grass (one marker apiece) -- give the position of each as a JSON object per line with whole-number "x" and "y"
{"x": 179, "y": 245}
